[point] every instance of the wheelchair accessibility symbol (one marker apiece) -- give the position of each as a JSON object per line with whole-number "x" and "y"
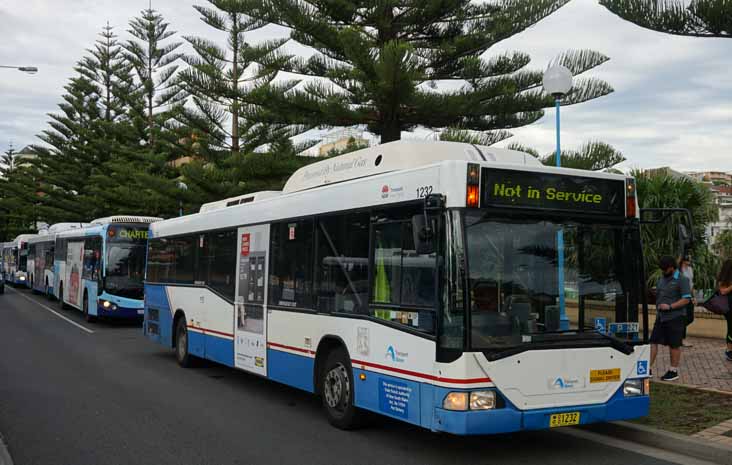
{"x": 642, "y": 367}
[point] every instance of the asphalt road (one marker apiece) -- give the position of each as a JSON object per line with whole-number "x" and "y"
{"x": 69, "y": 396}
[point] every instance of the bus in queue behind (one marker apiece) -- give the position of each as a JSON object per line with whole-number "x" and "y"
{"x": 41, "y": 252}
{"x": 15, "y": 260}
{"x": 99, "y": 269}
{"x": 462, "y": 288}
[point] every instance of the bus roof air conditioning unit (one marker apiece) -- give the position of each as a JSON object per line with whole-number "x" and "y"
{"x": 126, "y": 219}
{"x": 238, "y": 200}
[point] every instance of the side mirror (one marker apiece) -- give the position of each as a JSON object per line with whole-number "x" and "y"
{"x": 423, "y": 233}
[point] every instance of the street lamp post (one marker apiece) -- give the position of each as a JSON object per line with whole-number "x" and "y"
{"x": 183, "y": 187}
{"x": 557, "y": 82}
{"x": 25, "y": 69}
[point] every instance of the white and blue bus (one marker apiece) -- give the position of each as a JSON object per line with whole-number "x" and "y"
{"x": 15, "y": 260}
{"x": 41, "y": 256}
{"x": 99, "y": 269}
{"x": 465, "y": 289}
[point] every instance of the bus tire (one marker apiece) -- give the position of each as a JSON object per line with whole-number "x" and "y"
{"x": 337, "y": 391}
{"x": 61, "y": 303}
{"x": 45, "y": 290}
{"x": 184, "y": 358}
{"x": 85, "y": 306}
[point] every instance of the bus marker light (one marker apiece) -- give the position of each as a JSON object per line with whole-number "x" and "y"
{"x": 362, "y": 377}
{"x": 471, "y": 199}
{"x": 647, "y": 386}
{"x": 456, "y": 401}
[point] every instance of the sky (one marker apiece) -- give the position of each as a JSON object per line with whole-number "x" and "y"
{"x": 672, "y": 104}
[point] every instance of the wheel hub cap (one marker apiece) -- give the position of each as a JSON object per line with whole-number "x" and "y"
{"x": 337, "y": 390}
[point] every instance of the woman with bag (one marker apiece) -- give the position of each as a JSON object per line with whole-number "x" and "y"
{"x": 724, "y": 286}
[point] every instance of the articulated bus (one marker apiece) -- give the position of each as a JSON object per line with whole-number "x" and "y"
{"x": 15, "y": 260}
{"x": 466, "y": 289}
{"x": 99, "y": 269}
{"x": 41, "y": 252}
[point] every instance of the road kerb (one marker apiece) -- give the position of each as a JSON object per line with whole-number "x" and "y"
{"x": 674, "y": 442}
{"x": 5, "y": 458}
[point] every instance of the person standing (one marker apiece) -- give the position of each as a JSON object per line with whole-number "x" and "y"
{"x": 724, "y": 286}
{"x": 686, "y": 269}
{"x": 673, "y": 294}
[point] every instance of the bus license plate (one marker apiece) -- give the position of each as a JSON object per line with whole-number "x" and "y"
{"x": 564, "y": 419}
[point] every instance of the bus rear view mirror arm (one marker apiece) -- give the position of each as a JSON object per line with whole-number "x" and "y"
{"x": 423, "y": 226}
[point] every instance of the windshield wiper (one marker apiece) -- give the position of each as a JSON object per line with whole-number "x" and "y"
{"x": 566, "y": 341}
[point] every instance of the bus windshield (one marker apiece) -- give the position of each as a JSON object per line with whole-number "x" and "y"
{"x": 125, "y": 267}
{"x": 521, "y": 270}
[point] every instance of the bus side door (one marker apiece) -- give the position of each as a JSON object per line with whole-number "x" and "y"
{"x": 250, "y": 310}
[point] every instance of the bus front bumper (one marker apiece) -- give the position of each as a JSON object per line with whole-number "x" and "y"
{"x": 119, "y": 307}
{"x": 509, "y": 419}
{"x": 120, "y": 312}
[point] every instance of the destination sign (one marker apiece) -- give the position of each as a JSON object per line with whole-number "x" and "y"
{"x": 127, "y": 234}
{"x": 508, "y": 188}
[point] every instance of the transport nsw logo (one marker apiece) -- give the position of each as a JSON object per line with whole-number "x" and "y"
{"x": 392, "y": 191}
{"x": 395, "y": 356}
{"x": 565, "y": 383}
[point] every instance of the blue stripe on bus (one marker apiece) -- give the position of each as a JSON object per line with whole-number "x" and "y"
{"x": 219, "y": 349}
{"x": 394, "y": 397}
{"x": 157, "y": 299}
{"x": 293, "y": 370}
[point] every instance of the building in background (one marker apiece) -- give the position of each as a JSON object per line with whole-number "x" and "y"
{"x": 338, "y": 141}
{"x": 667, "y": 171}
{"x": 25, "y": 156}
{"x": 723, "y": 200}
{"x": 717, "y": 178}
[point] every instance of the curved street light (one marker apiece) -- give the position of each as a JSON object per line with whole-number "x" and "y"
{"x": 182, "y": 187}
{"x": 25, "y": 69}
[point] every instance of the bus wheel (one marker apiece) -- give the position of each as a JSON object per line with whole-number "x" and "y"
{"x": 87, "y": 317}
{"x": 45, "y": 290}
{"x": 184, "y": 358}
{"x": 61, "y": 303}
{"x": 336, "y": 389}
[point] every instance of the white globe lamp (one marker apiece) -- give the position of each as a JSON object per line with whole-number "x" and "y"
{"x": 557, "y": 80}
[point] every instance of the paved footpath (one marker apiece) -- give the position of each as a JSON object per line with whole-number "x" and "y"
{"x": 702, "y": 365}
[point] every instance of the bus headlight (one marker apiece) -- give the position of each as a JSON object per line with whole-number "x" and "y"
{"x": 634, "y": 387}
{"x": 476, "y": 400}
{"x": 22, "y": 278}
{"x": 456, "y": 401}
{"x": 482, "y": 400}
{"x": 108, "y": 305}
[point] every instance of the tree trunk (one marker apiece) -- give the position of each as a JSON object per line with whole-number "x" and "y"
{"x": 151, "y": 91}
{"x": 391, "y": 132}
{"x": 235, "y": 84}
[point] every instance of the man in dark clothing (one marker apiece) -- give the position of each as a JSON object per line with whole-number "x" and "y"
{"x": 673, "y": 294}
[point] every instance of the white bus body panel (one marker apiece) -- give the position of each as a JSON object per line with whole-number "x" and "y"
{"x": 557, "y": 378}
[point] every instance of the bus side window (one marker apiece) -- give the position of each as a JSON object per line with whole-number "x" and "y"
{"x": 92, "y": 258}
{"x": 291, "y": 264}
{"x": 402, "y": 279}
{"x": 217, "y": 262}
{"x": 341, "y": 265}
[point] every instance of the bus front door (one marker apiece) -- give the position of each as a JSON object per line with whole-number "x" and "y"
{"x": 250, "y": 315}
